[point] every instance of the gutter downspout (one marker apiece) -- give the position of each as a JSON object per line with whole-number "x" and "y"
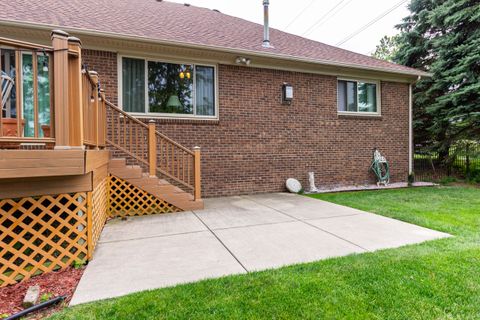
{"x": 410, "y": 129}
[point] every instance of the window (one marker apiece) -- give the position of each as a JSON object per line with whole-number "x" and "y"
{"x": 168, "y": 89}
{"x": 43, "y": 95}
{"x": 358, "y": 96}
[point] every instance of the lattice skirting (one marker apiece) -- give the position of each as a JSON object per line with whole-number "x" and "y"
{"x": 41, "y": 234}
{"x": 98, "y": 215}
{"x": 46, "y": 233}
{"x": 127, "y": 200}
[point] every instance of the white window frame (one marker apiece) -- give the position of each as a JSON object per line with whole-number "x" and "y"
{"x": 159, "y": 115}
{"x": 359, "y": 113}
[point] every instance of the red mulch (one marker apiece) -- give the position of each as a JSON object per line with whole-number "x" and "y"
{"x": 59, "y": 283}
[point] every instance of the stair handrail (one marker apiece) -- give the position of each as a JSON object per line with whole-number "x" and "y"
{"x": 154, "y": 149}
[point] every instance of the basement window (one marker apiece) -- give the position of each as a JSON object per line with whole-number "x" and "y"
{"x": 168, "y": 89}
{"x": 358, "y": 97}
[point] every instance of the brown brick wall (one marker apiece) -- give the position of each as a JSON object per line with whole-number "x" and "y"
{"x": 258, "y": 142}
{"x": 105, "y": 63}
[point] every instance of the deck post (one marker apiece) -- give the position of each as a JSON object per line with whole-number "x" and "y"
{"x": 96, "y": 109}
{"x": 152, "y": 148}
{"x": 75, "y": 92}
{"x": 60, "y": 80}
{"x": 198, "y": 182}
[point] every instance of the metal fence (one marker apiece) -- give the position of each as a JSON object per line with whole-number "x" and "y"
{"x": 462, "y": 162}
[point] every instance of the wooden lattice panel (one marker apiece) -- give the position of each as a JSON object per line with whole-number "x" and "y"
{"x": 99, "y": 206}
{"x": 128, "y": 200}
{"x": 41, "y": 234}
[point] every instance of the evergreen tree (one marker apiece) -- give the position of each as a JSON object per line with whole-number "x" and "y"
{"x": 387, "y": 48}
{"x": 443, "y": 37}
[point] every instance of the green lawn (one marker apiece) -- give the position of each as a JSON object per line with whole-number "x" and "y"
{"x": 435, "y": 280}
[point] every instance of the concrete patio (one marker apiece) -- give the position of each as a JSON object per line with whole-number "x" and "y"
{"x": 231, "y": 236}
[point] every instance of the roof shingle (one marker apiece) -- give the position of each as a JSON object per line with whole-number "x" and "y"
{"x": 167, "y": 21}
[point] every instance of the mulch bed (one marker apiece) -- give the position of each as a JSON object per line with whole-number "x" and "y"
{"x": 59, "y": 283}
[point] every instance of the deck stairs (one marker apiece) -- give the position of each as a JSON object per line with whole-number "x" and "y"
{"x": 157, "y": 187}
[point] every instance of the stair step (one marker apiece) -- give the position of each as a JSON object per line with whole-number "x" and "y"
{"x": 144, "y": 182}
{"x": 134, "y": 167}
{"x": 117, "y": 163}
{"x": 159, "y": 188}
{"x": 127, "y": 173}
{"x": 169, "y": 189}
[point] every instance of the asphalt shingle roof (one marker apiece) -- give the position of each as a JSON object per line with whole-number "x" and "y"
{"x": 167, "y": 21}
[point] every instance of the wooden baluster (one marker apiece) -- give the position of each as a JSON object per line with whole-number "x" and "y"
{"x": 152, "y": 148}
{"x": 197, "y": 190}
{"x": 124, "y": 132}
{"x": 167, "y": 164}
{"x": 130, "y": 133}
{"x": 104, "y": 122}
{"x": 177, "y": 157}
{"x": 188, "y": 169}
{"x": 160, "y": 153}
{"x": 119, "y": 137}
{"x": 94, "y": 128}
{"x": 173, "y": 160}
{"x": 136, "y": 141}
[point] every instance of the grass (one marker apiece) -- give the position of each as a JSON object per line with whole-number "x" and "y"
{"x": 433, "y": 280}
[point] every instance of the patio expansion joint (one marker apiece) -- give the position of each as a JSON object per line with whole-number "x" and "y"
{"x": 253, "y": 225}
{"x": 311, "y": 225}
{"x": 221, "y": 242}
{"x": 152, "y": 237}
{"x": 333, "y": 217}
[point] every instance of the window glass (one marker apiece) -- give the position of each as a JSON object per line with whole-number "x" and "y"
{"x": 170, "y": 88}
{"x": 27, "y": 90}
{"x": 367, "y": 97}
{"x": 133, "y": 85}
{"x": 7, "y": 61}
{"x": 183, "y": 89}
{"x": 356, "y": 96}
{"x": 342, "y": 96}
{"x": 43, "y": 95}
{"x": 205, "y": 90}
{"x": 351, "y": 96}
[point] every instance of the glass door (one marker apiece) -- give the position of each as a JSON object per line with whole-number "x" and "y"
{"x": 41, "y": 113}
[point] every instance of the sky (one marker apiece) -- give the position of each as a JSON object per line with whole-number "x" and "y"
{"x": 327, "y": 21}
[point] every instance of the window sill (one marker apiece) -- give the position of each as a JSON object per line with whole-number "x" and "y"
{"x": 359, "y": 115}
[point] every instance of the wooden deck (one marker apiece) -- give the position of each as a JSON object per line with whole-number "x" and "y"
{"x": 41, "y": 172}
{"x": 49, "y": 163}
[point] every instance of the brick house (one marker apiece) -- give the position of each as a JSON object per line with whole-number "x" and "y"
{"x": 260, "y": 113}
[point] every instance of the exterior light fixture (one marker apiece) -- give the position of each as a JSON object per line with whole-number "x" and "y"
{"x": 45, "y": 63}
{"x": 287, "y": 93}
{"x": 243, "y": 60}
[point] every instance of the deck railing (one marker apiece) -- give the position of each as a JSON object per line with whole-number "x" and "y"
{"x": 155, "y": 151}
{"x": 94, "y": 111}
{"x": 46, "y": 95}
{"x": 65, "y": 93}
